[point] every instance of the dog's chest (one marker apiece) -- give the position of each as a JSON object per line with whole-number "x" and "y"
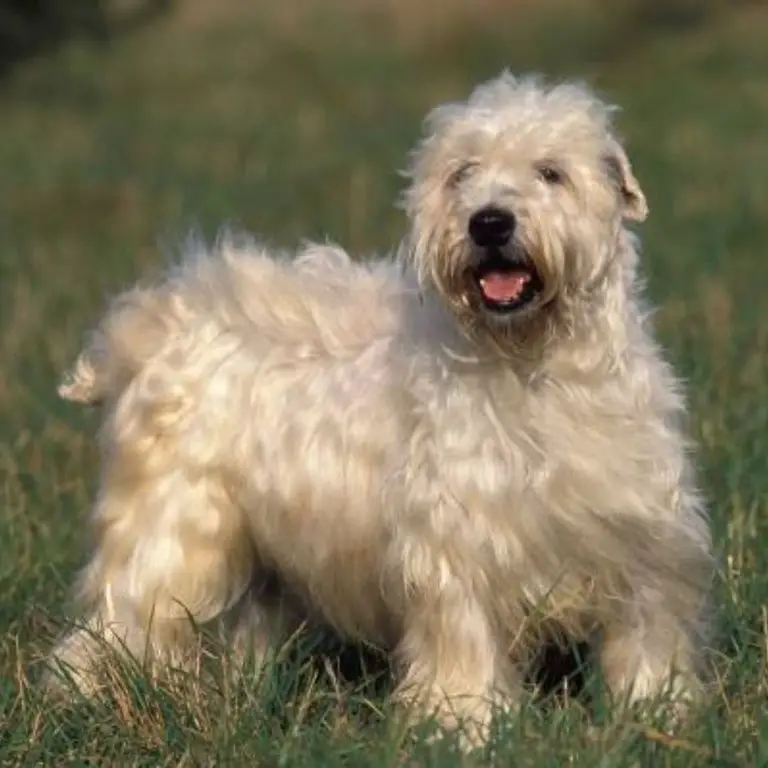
{"x": 528, "y": 476}
{"x": 488, "y": 449}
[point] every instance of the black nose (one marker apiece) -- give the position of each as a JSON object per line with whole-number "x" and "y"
{"x": 491, "y": 226}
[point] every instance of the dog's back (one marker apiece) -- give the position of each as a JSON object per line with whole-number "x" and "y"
{"x": 312, "y": 300}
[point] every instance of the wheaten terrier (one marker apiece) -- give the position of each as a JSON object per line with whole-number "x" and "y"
{"x": 454, "y": 454}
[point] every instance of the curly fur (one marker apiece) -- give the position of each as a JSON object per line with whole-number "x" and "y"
{"x": 450, "y": 484}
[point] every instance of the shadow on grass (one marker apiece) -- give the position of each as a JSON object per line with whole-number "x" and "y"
{"x": 558, "y": 670}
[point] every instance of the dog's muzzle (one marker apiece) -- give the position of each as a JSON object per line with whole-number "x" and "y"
{"x": 504, "y": 275}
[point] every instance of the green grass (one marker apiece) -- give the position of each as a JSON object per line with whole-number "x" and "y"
{"x": 294, "y": 123}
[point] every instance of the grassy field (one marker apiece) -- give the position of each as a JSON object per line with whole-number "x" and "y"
{"x": 293, "y": 123}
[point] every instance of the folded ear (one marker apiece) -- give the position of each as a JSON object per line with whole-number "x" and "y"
{"x": 635, "y": 206}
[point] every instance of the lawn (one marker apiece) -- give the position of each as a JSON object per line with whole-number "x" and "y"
{"x": 293, "y": 122}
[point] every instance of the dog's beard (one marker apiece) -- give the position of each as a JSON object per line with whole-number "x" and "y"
{"x": 507, "y": 299}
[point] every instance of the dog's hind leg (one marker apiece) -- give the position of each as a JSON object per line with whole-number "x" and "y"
{"x": 261, "y": 625}
{"x": 172, "y": 551}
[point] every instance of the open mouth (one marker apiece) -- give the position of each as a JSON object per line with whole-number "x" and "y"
{"x": 506, "y": 284}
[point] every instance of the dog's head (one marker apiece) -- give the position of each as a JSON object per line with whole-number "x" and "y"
{"x": 517, "y": 200}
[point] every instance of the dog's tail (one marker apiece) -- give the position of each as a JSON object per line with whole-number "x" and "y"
{"x": 82, "y": 384}
{"x": 134, "y": 329}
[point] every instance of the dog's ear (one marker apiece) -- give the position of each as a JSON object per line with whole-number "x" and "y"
{"x": 635, "y": 206}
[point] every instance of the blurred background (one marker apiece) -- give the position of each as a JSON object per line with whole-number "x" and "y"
{"x": 123, "y": 124}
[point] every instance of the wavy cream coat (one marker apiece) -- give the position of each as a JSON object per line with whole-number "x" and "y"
{"x": 452, "y": 485}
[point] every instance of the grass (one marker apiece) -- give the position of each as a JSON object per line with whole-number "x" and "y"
{"x": 293, "y": 122}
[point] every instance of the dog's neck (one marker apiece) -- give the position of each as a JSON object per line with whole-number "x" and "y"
{"x": 601, "y": 325}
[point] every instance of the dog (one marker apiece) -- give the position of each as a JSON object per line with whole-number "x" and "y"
{"x": 455, "y": 454}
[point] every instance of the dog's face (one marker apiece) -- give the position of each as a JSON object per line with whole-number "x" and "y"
{"x": 517, "y": 199}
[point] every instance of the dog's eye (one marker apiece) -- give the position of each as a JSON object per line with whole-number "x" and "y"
{"x": 550, "y": 174}
{"x": 461, "y": 173}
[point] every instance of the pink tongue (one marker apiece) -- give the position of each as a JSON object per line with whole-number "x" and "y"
{"x": 503, "y": 286}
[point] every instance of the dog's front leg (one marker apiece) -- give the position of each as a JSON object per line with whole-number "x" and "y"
{"x": 453, "y": 667}
{"x": 653, "y": 655}
{"x": 654, "y": 640}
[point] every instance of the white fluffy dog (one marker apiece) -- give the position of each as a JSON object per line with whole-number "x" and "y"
{"x": 453, "y": 455}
